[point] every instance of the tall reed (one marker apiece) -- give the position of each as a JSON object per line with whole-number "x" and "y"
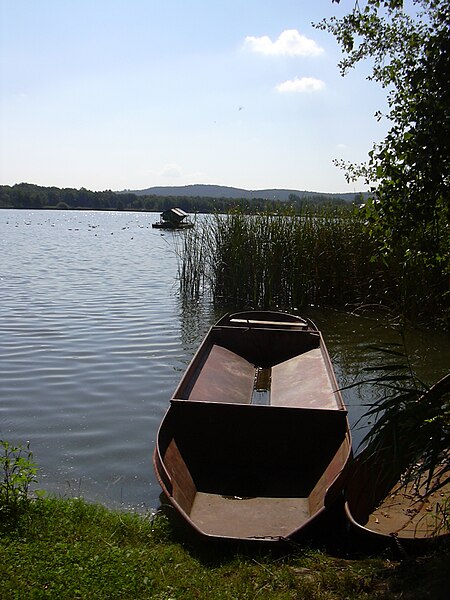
{"x": 314, "y": 257}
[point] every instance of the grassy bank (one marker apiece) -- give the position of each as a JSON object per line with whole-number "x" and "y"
{"x": 70, "y": 549}
{"x": 322, "y": 257}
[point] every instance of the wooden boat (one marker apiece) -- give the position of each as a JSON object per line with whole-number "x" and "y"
{"x": 256, "y": 441}
{"x": 383, "y": 513}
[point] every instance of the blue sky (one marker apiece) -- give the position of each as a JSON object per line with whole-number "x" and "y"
{"x": 128, "y": 94}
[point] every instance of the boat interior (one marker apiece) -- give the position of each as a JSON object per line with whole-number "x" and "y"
{"x": 241, "y": 471}
{"x": 376, "y": 500}
{"x": 254, "y": 365}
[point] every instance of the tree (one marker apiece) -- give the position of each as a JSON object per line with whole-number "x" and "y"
{"x": 409, "y": 171}
{"x": 408, "y": 212}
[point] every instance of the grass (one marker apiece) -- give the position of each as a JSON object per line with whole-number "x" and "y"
{"x": 59, "y": 548}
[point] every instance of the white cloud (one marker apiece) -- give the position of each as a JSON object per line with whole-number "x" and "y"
{"x": 172, "y": 171}
{"x": 301, "y": 85}
{"x": 171, "y": 174}
{"x": 289, "y": 43}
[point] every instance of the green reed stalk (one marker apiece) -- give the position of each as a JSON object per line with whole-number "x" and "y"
{"x": 293, "y": 259}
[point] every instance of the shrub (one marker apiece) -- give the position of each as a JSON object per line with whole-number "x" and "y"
{"x": 18, "y": 472}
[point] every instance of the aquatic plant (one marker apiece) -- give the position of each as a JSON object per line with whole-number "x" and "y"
{"x": 411, "y": 430}
{"x": 313, "y": 256}
{"x": 18, "y": 472}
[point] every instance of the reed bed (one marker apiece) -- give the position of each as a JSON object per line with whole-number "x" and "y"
{"x": 316, "y": 257}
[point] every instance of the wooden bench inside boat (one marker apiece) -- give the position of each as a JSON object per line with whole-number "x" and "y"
{"x": 303, "y": 382}
{"x": 224, "y": 377}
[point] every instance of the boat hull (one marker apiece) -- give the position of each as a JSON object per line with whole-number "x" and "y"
{"x": 239, "y": 468}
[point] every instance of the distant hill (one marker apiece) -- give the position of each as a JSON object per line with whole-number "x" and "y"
{"x": 221, "y": 191}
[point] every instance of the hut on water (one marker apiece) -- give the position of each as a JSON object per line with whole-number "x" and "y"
{"x": 173, "y": 218}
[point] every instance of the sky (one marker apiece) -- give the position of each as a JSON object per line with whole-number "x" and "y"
{"x": 130, "y": 94}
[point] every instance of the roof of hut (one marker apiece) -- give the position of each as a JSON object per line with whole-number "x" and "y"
{"x": 175, "y": 215}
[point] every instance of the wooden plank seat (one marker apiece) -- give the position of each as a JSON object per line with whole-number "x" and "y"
{"x": 281, "y": 324}
{"x": 302, "y": 382}
{"x": 224, "y": 377}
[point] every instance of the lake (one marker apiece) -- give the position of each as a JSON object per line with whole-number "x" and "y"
{"x": 94, "y": 338}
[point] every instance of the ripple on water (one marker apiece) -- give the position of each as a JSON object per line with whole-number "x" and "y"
{"x": 90, "y": 348}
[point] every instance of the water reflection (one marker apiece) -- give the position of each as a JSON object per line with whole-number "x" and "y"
{"x": 196, "y": 317}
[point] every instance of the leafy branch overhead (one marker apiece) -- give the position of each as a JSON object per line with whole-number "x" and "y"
{"x": 408, "y": 48}
{"x": 409, "y": 170}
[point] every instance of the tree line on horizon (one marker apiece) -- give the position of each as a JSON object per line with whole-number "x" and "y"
{"x": 31, "y": 196}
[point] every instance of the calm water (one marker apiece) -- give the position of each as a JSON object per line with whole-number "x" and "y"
{"x": 93, "y": 340}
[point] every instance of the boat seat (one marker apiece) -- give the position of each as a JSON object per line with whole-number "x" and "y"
{"x": 224, "y": 377}
{"x": 302, "y": 382}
